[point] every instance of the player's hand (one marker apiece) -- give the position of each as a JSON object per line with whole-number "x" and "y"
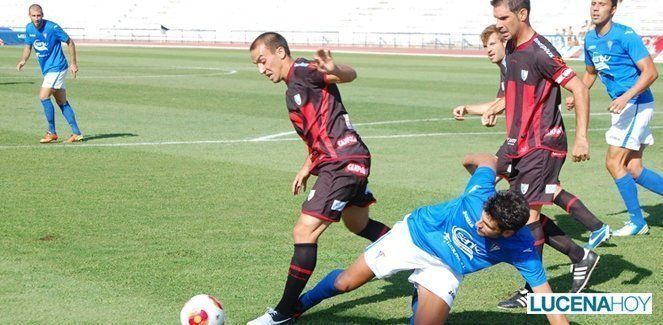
{"x": 299, "y": 184}
{"x": 74, "y": 69}
{"x": 20, "y": 65}
{"x": 570, "y": 103}
{"x": 325, "y": 61}
{"x": 459, "y": 112}
{"x": 489, "y": 118}
{"x": 580, "y": 150}
{"x": 618, "y": 105}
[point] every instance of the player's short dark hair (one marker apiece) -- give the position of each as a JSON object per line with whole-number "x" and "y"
{"x": 509, "y": 209}
{"x": 272, "y": 41}
{"x": 490, "y": 30}
{"x": 514, "y": 5}
{"x": 616, "y": 2}
{"x": 35, "y": 6}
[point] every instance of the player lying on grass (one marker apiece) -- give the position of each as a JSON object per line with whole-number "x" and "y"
{"x": 444, "y": 242}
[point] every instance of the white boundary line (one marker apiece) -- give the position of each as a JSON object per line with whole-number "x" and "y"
{"x": 278, "y": 135}
{"x": 170, "y": 143}
{"x": 221, "y": 72}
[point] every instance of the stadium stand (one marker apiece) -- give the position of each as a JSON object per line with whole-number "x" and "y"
{"x": 370, "y": 23}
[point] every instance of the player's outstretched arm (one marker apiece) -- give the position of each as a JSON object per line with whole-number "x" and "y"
{"x": 581, "y": 99}
{"x": 459, "y": 112}
{"x": 336, "y": 73}
{"x": 554, "y": 319}
{"x": 472, "y": 161}
{"x": 24, "y": 57}
{"x": 648, "y": 75}
{"x": 73, "y": 66}
{"x": 588, "y": 79}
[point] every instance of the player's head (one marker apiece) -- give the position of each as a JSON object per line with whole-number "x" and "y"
{"x": 493, "y": 43}
{"x": 270, "y": 52}
{"x": 511, "y": 15}
{"x": 503, "y": 214}
{"x": 602, "y": 11}
{"x": 36, "y": 14}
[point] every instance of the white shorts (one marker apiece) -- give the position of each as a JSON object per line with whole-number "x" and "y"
{"x": 54, "y": 80}
{"x": 630, "y": 129}
{"x": 396, "y": 252}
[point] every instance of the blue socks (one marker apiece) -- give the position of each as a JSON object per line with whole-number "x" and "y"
{"x": 49, "y": 112}
{"x": 629, "y": 191}
{"x": 651, "y": 180}
{"x": 68, "y": 113}
{"x": 323, "y": 290}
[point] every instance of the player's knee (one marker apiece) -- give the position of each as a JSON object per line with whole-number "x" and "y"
{"x": 613, "y": 165}
{"x": 303, "y": 234}
{"x": 634, "y": 167}
{"x": 343, "y": 283}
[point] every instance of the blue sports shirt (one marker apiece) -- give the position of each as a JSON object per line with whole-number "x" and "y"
{"x": 47, "y": 42}
{"x": 614, "y": 55}
{"x": 448, "y": 231}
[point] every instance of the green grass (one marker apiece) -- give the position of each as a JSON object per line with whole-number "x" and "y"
{"x": 126, "y": 234}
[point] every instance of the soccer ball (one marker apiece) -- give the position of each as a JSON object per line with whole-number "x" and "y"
{"x": 202, "y": 310}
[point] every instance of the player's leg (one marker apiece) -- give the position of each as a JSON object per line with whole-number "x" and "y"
{"x": 336, "y": 282}
{"x": 616, "y": 162}
{"x": 599, "y": 231}
{"x": 357, "y": 220}
{"x": 306, "y": 232}
{"x": 355, "y": 214}
{"x": 628, "y": 132}
{"x": 45, "y": 93}
{"x": 645, "y": 177}
{"x": 60, "y": 96}
{"x": 430, "y": 309}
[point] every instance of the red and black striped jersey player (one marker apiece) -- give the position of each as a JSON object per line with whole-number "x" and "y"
{"x": 336, "y": 155}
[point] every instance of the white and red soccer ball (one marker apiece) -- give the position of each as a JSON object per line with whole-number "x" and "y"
{"x": 202, "y": 310}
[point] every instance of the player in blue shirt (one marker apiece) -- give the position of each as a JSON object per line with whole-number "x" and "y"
{"x": 46, "y": 38}
{"x": 616, "y": 54}
{"x": 442, "y": 243}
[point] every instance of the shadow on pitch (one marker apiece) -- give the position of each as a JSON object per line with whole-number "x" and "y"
{"x": 397, "y": 287}
{"x": 494, "y": 317}
{"x": 610, "y": 267}
{"x": 655, "y": 212}
{"x": 17, "y": 83}
{"x": 108, "y": 136}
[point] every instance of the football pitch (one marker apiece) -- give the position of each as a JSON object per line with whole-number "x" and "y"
{"x": 183, "y": 187}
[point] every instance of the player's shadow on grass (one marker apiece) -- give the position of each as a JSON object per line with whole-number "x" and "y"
{"x": 397, "y": 287}
{"x": 17, "y": 83}
{"x": 573, "y": 228}
{"x": 494, "y": 317}
{"x": 108, "y": 136}
{"x": 610, "y": 267}
{"x": 655, "y": 212}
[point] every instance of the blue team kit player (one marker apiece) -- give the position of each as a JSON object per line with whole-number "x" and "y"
{"x": 46, "y": 38}
{"x": 444, "y": 242}
{"x": 617, "y": 55}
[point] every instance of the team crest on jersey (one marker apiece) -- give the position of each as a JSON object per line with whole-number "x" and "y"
{"x": 524, "y": 74}
{"x": 524, "y": 188}
{"x": 298, "y": 99}
{"x": 609, "y": 45}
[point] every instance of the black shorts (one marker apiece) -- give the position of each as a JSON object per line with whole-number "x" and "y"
{"x": 339, "y": 185}
{"x": 535, "y": 175}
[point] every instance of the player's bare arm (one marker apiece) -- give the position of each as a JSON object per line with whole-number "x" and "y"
{"x": 554, "y": 319}
{"x": 24, "y": 57}
{"x": 73, "y": 66}
{"x": 299, "y": 184}
{"x": 475, "y": 160}
{"x": 336, "y": 73}
{"x": 581, "y": 99}
{"x": 588, "y": 79}
{"x": 648, "y": 75}
{"x": 459, "y": 112}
